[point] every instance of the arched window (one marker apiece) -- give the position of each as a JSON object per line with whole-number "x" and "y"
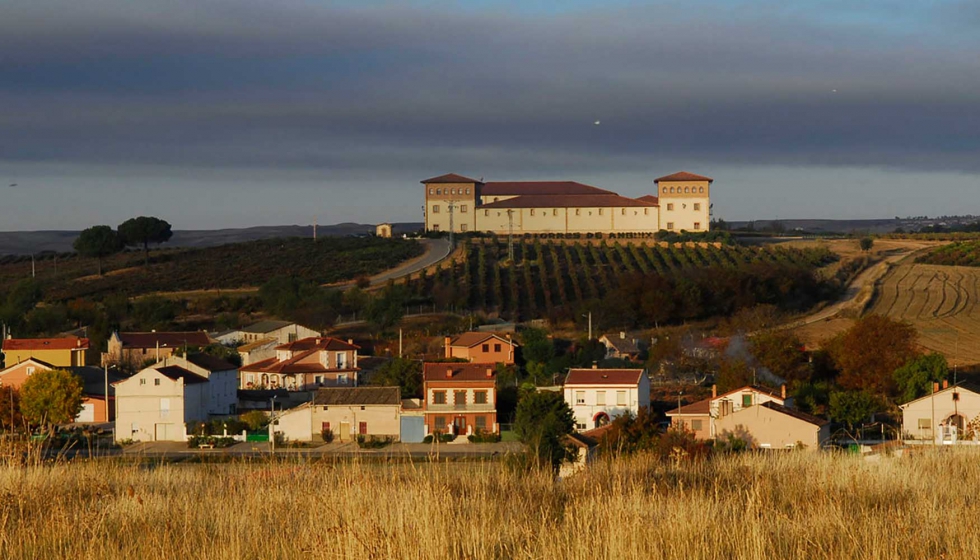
{"x": 431, "y": 191}
{"x": 438, "y": 191}
{"x": 467, "y": 191}
{"x": 453, "y": 191}
{"x": 701, "y": 190}
{"x": 686, "y": 190}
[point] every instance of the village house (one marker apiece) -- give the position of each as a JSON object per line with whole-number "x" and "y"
{"x": 258, "y": 351}
{"x": 156, "y": 403}
{"x": 347, "y": 412}
{"x": 281, "y": 331}
{"x": 700, "y": 417}
{"x": 96, "y": 407}
{"x": 135, "y": 349}
{"x": 459, "y": 398}
{"x": 947, "y": 415}
{"x": 59, "y": 352}
{"x": 597, "y": 396}
{"x": 620, "y": 346}
{"x": 222, "y": 379}
{"x": 305, "y": 365}
{"x": 482, "y": 347}
{"x": 773, "y": 426}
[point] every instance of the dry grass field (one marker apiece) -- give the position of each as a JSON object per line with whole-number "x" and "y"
{"x": 941, "y": 301}
{"x": 786, "y": 506}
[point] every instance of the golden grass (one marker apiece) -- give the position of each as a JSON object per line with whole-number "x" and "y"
{"x": 797, "y": 505}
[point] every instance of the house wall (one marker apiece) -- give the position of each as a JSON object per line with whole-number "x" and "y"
{"x": 140, "y": 407}
{"x": 476, "y": 354}
{"x": 968, "y": 406}
{"x": 259, "y": 353}
{"x": 683, "y": 216}
{"x": 99, "y": 407}
{"x": 16, "y": 375}
{"x": 57, "y": 358}
{"x": 699, "y": 424}
{"x": 569, "y": 220}
{"x": 450, "y": 192}
{"x": 585, "y": 413}
{"x": 467, "y": 409}
{"x": 764, "y": 428}
{"x": 344, "y": 420}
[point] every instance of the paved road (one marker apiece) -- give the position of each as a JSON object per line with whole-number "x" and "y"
{"x": 435, "y": 250}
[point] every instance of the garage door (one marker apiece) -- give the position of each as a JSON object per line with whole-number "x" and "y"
{"x": 412, "y": 429}
{"x": 87, "y": 414}
{"x": 167, "y": 432}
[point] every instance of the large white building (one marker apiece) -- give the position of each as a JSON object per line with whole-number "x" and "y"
{"x": 598, "y": 396}
{"x": 452, "y": 202}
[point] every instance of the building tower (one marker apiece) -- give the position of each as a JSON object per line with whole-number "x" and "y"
{"x": 450, "y": 201}
{"x": 685, "y": 202}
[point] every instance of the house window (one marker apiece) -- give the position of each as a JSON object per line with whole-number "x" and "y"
{"x": 480, "y": 423}
{"x": 440, "y": 423}
{"x": 142, "y": 382}
{"x": 164, "y": 408}
{"x": 459, "y": 398}
{"x": 697, "y": 226}
{"x": 579, "y": 397}
{"x": 620, "y": 398}
{"x": 362, "y": 428}
{"x": 341, "y": 360}
{"x": 600, "y": 398}
{"x": 670, "y": 206}
{"x": 697, "y": 206}
{"x": 453, "y": 191}
{"x": 578, "y": 212}
{"x": 747, "y": 400}
{"x": 464, "y": 227}
{"x": 696, "y": 425}
{"x": 438, "y": 397}
{"x": 496, "y": 348}
{"x": 600, "y": 211}
{"x": 156, "y": 382}
{"x": 532, "y": 211}
{"x": 486, "y": 347}
{"x": 462, "y": 208}
{"x": 30, "y": 370}
{"x": 624, "y": 211}
{"x": 646, "y": 211}
{"x": 701, "y": 190}
{"x": 925, "y": 424}
{"x": 486, "y": 212}
{"x": 554, "y": 212}
{"x": 467, "y": 191}
{"x": 342, "y": 379}
{"x": 435, "y": 227}
{"x": 479, "y": 397}
{"x": 435, "y": 208}
{"x": 579, "y": 426}
{"x": 438, "y": 191}
{"x": 670, "y": 225}
{"x": 687, "y": 190}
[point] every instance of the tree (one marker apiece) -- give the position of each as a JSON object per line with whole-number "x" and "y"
{"x": 781, "y": 352}
{"x": 141, "y": 231}
{"x": 852, "y": 408}
{"x": 98, "y": 242}
{"x": 400, "y": 372}
{"x": 543, "y": 420}
{"x": 866, "y": 243}
{"x": 732, "y": 374}
{"x": 868, "y": 353}
{"x": 10, "y": 417}
{"x": 386, "y": 310}
{"x": 916, "y": 377}
{"x": 536, "y": 346}
{"x": 51, "y": 397}
{"x": 254, "y": 419}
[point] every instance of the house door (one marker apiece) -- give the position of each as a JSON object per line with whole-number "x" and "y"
{"x": 459, "y": 425}
{"x": 344, "y": 434}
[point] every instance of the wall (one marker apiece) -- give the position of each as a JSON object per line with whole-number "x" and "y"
{"x": 16, "y": 375}
{"x": 764, "y": 428}
{"x": 460, "y": 198}
{"x": 476, "y": 354}
{"x": 968, "y": 406}
{"x": 683, "y": 216}
{"x": 585, "y": 413}
{"x": 687, "y": 422}
{"x": 57, "y": 358}
{"x": 569, "y": 220}
{"x": 468, "y": 409}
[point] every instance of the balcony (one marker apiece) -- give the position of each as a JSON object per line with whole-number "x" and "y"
{"x": 459, "y": 408}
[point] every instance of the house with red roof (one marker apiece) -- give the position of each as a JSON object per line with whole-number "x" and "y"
{"x": 304, "y": 365}
{"x": 486, "y": 347}
{"x": 597, "y": 396}
{"x": 701, "y": 417}
{"x": 681, "y": 203}
{"x": 98, "y": 394}
{"x": 59, "y": 352}
{"x": 133, "y": 350}
{"x": 459, "y": 398}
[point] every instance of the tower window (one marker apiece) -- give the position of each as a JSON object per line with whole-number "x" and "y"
{"x": 686, "y": 190}
{"x": 578, "y": 212}
{"x": 462, "y": 208}
{"x": 532, "y": 211}
{"x": 701, "y": 190}
{"x": 600, "y": 211}
{"x": 438, "y": 191}
{"x": 670, "y": 206}
{"x": 435, "y": 209}
{"x": 467, "y": 191}
{"x": 670, "y": 225}
{"x": 432, "y": 191}
{"x": 697, "y": 206}
{"x": 697, "y": 226}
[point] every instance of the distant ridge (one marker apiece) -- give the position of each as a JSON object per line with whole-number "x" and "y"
{"x": 26, "y": 242}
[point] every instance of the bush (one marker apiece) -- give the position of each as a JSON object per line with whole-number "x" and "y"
{"x": 374, "y": 442}
{"x": 482, "y": 436}
{"x": 216, "y": 441}
{"x": 327, "y": 435}
{"x": 427, "y": 439}
{"x": 255, "y": 420}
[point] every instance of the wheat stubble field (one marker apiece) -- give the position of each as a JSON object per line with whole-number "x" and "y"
{"x": 942, "y": 302}
{"x": 788, "y": 506}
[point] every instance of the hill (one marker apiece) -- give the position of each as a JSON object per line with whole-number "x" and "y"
{"x": 27, "y": 242}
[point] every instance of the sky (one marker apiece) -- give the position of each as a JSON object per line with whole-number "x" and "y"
{"x": 237, "y": 113}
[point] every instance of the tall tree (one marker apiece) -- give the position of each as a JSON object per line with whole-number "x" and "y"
{"x": 141, "y": 231}
{"x": 51, "y": 397}
{"x": 98, "y": 242}
{"x": 915, "y": 378}
{"x": 543, "y": 420}
{"x": 400, "y": 372}
{"x": 781, "y": 352}
{"x": 868, "y": 353}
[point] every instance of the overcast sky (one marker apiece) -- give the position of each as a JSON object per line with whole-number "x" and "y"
{"x": 221, "y": 113}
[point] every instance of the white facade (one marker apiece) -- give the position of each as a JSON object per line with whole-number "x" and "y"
{"x": 596, "y": 404}
{"x": 151, "y": 406}
{"x": 222, "y": 385}
{"x": 944, "y": 416}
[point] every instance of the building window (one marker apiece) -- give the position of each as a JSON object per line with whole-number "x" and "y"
{"x": 30, "y": 370}
{"x": 686, "y": 190}
{"x": 432, "y": 191}
{"x": 620, "y": 398}
{"x": 925, "y": 424}
{"x": 624, "y": 211}
{"x": 671, "y": 190}
{"x": 462, "y": 208}
{"x": 459, "y": 398}
{"x": 577, "y": 212}
{"x": 452, "y": 191}
{"x": 600, "y": 211}
{"x": 342, "y": 379}
{"x": 496, "y": 348}
{"x": 142, "y": 382}
{"x": 696, "y": 425}
{"x": 697, "y": 206}
{"x": 435, "y": 227}
{"x": 697, "y": 226}
{"x": 670, "y": 225}
{"x": 486, "y": 347}
{"x": 479, "y": 397}
{"x": 481, "y": 423}
{"x": 467, "y": 191}
{"x": 579, "y": 397}
{"x": 701, "y": 190}
{"x": 670, "y": 206}
{"x": 435, "y": 208}
{"x": 438, "y": 397}
{"x": 532, "y": 211}
{"x": 438, "y": 191}
{"x": 646, "y": 211}
{"x": 486, "y": 212}
{"x": 464, "y": 227}
{"x": 156, "y": 382}
{"x": 747, "y": 400}
{"x": 600, "y": 398}
{"x": 362, "y": 428}
{"x": 440, "y": 423}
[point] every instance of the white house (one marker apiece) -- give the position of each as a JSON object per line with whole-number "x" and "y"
{"x": 950, "y": 410}
{"x": 222, "y": 379}
{"x": 597, "y": 396}
{"x": 282, "y": 331}
{"x": 155, "y": 404}
{"x": 701, "y": 417}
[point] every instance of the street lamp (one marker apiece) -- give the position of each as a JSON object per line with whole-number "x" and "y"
{"x": 590, "y": 323}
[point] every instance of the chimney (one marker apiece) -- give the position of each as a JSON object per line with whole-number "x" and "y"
{"x": 449, "y": 341}
{"x": 622, "y": 335}
{"x": 714, "y": 391}
{"x": 595, "y": 365}
{"x": 945, "y": 383}
{"x": 350, "y": 341}
{"x": 489, "y": 373}
{"x": 935, "y": 387}
{"x": 782, "y": 391}
{"x": 449, "y": 373}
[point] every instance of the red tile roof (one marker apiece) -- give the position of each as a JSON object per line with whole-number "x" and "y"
{"x": 603, "y": 376}
{"x": 292, "y": 365}
{"x": 683, "y": 176}
{"x": 70, "y": 343}
{"x": 449, "y": 178}
{"x": 569, "y": 201}
{"x": 651, "y": 199}
{"x": 436, "y": 371}
{"x": 318, "y": 343}
{"x": 165, "y": 339}
{"x": 699, "y": 408}
{"x": 509, "y": 188}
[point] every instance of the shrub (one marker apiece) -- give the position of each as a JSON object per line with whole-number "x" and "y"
{"x": 427, "y": 439}
{"x": 327, "y": 435}
{"x": 482, "y": 436}
{"x": 216, "y": 441}
{"x": 374, "y": 442}
{"x": 255, "y": 420}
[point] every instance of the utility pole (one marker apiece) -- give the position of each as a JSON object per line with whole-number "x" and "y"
{"x": 510, "y": 235}
{"x": 399, "y": 343}
{"x": 590, "y": 324}
{"x": 32, "y": 266}
{"x": 314, "y": 229}
{"x": 452, "y": 227}
{"x": 106, "y": 372}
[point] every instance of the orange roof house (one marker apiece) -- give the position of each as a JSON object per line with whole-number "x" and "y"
{"x": 485, "y": 347}
{"x": 59, "y": 352}
{"x": 459, "y": 398}
{"x": 305, "y": 364}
